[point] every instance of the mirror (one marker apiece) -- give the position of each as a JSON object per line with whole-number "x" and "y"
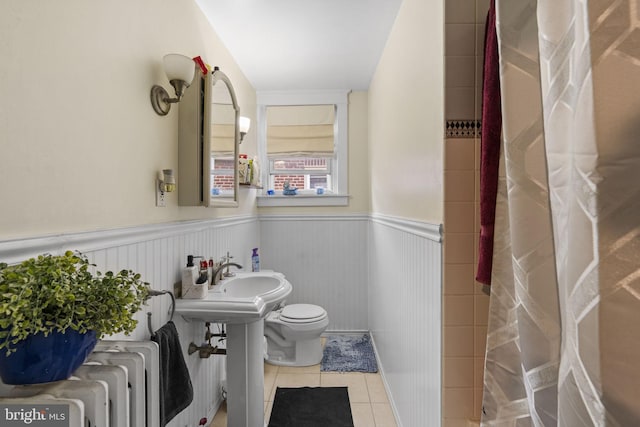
{"x": 208, "y": 140}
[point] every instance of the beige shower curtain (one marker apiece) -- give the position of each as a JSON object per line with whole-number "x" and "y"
{"x": 563, "y": 345}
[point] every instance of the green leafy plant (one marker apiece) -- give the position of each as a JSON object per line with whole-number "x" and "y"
{"x": 56, "y": 292}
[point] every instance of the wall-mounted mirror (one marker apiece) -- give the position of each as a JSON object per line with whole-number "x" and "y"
{"x": 208, "y": 142}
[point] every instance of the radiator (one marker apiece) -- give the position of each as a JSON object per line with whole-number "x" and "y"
{"x": 118, "y": 386}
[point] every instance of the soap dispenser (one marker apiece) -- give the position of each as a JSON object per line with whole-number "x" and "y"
{"x": 190, "y": 272}
{"x": 190, "y": 287}
{"x": 255, "y": 260}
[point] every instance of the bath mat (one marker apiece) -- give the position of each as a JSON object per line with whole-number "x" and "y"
{"x": 311, "y": 407}
{"x": 349, "y": 353}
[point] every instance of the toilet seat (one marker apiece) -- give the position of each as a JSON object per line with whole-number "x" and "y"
{"x": 302, "y": 313}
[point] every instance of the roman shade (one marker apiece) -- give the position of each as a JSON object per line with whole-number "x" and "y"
{"x": 300, "y": 131}
{"x": 222, "y": 139}
{"x": 223, "y": 118}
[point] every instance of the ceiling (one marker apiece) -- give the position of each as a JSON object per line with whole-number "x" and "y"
{"x": 304, "y": 44}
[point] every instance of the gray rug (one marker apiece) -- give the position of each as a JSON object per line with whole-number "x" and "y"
{"x": 349, "y": 353}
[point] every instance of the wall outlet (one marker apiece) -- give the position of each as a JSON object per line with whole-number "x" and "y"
{"x": 161, "y": 201}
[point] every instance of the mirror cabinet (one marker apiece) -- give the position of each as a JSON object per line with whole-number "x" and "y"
{"x": 208, "y": 140}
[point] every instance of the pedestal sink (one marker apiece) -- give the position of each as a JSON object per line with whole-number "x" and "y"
{"x": 242, "y": 302}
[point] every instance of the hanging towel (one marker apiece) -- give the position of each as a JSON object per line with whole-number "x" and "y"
{"x": 490, "y": 147}
{"x": 176, "y": 391}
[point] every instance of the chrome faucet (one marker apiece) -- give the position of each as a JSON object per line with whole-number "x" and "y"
{"x": 217, "y": 271}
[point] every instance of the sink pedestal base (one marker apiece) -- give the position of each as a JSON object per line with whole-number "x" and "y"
{"x": 245, "y": 374}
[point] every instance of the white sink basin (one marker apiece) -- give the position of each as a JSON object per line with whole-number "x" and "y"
{"x": 250, "y": 286}
{"x": 244, "y": 298}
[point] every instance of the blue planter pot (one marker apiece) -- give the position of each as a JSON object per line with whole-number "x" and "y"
{"x": 39, "y": 359}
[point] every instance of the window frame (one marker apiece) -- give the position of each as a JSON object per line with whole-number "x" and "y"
{"x": 339, "y": 164}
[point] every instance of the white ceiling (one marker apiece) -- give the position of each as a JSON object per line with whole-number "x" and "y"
{"x": 304, "y": 44}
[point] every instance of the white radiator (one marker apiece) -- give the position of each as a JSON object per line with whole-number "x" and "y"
{"x": 118, "y": 386}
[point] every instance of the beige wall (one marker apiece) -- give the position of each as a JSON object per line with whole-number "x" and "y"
{"x": 406, "y": 119}
{"x": 80, "y": 144}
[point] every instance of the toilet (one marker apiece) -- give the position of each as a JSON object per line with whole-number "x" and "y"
{"x": 293, "y": 335}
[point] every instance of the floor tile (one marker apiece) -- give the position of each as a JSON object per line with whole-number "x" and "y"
{"x": 369, "y": 402}
{"x": 354, "y": 382}
{"x": 383, "y": 415}
{"x": 362, "y": 415}
{"x": 375, "y": 386}
{"x": 313, "y": 369}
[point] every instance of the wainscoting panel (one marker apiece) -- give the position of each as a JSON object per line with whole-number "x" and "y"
{"x": 325, "y": 259}
{"x": 405, "y": 308}
{"x": 158, "y": 253}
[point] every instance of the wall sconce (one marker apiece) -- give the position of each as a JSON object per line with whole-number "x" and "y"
{"x": 180, "y": 70}
{"x": 244, "y": 123}
{"x": 166, "y": 183}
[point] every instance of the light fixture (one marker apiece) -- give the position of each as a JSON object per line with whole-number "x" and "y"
{"x": 166, "y": 183}
{"x": 179, "y": 70}
{"x": 244, "y": 123}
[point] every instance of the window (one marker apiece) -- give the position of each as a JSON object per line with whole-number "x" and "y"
{"x": 222, "y": 175}
{"x": 302, "y": 137}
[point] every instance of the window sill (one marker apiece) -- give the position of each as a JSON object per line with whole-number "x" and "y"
{"x": 303, "y": 200}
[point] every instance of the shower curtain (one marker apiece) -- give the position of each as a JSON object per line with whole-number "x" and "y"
{"x": 563, "y": 342}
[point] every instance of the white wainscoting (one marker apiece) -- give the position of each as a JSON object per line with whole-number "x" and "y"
{"x": 372, "y": 273}
{"x": 158, "y": 253}
{"x": 405, "y": 308}
{"x": 325, "y": 259}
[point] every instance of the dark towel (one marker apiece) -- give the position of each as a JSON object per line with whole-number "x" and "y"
{"x": 176, "y": 391}
{"x": 490, "y": 147}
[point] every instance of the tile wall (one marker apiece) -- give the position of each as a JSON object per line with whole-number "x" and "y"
{"x": 465, "y": 305}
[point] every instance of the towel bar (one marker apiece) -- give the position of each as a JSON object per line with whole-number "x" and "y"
{"x": 153, "y": 293}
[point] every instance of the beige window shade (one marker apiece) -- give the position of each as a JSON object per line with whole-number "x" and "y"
{"x": 223, "y": 118}
{"x": 296, "y": 131}
{"x": 222, "y": 140}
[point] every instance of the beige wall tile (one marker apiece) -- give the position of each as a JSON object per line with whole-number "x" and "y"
{"x": 454, "y": 422}
{"x": 459, "y": 279}
{"x": 479, "y": 39}
{"x": 458, "y": 248}
{"x": 460, "y": 71}
{"x": 458, "y": 372}
{"x": 459, "y": 11}
{"x": 482, "y": 7}
{"x": 460, "y": 39}
{"x": 458, "y": 341}
{"x": 459, "y": 154}
{"x": 481, "y": 309}
{"x": 460, "y": 103}
{"x": 477, "y": 403}
{"x": 480, "y": 341}
{"x": 478, "y": 372}
{"x": 458, "y": 310}
{"x": 459, "y": 217}
{"x": 458, "y": 403}
{"x": 459, "y": 186}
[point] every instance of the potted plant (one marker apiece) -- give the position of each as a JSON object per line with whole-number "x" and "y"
{"x": 53, "y": 309}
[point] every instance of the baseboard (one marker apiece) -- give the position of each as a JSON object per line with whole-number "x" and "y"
{"x": 387, "y": 389}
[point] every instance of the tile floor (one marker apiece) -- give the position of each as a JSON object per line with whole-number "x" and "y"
{"x": 369, "y": 403}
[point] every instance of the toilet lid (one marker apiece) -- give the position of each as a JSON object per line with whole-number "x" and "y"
{"x": 299, "y": 313}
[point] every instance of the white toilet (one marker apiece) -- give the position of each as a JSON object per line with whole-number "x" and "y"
{"x": 293, "y": 335}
